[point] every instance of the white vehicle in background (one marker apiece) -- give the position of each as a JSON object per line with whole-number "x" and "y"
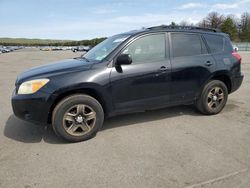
{"x": 64, "y": 48}
{"x": 236, "y": 48}
{"x": 4, "y": 50}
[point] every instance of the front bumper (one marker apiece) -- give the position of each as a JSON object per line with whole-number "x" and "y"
{"x": 236, "y": 82}
{"x": 34, "y": 107}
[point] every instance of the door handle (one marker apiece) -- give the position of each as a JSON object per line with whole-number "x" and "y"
{"x": 208, "y": 63}
{"x": 163, "y": 69}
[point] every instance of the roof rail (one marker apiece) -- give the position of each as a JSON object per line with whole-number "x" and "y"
{"x": 184, "y": 28}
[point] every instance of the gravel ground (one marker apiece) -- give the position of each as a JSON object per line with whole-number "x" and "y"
{"x": 173, "y": 147}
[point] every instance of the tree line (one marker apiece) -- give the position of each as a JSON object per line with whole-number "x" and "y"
{"x": 237, "y": 28}
{"x": 47, "y": 42}
{"x": 91, "y": 42}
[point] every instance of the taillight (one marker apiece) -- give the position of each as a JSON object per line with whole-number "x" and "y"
{"x": 237, "y": 56}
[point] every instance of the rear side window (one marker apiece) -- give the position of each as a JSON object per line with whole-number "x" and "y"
{"x": 187, "y": 45}
{"x": 218, "y": 44}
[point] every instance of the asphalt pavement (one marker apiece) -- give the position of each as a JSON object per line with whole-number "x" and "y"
{"x": 172, "y": 147}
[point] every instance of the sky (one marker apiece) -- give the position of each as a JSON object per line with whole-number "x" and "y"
{"x": 86, "y": 19}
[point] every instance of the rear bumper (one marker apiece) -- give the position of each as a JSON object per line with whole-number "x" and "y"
{"x": 34, "y": 108}
{"x": 236, "y": 82}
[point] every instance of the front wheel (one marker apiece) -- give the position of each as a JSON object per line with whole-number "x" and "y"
{"x": 77, "y": 118}
{"x": 213, "y": 98}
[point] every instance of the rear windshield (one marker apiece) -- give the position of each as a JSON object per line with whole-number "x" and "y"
{"x": 218, "y": 43}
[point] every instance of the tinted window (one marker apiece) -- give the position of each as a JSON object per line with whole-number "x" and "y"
{"x": 187, "y": 45}
{"x": 147, "y": 49}
{"x": 218, "y": 43}
{"x": 228, "y": 47}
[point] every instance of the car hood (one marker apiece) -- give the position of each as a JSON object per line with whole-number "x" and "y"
{"x": 60, "y": 67}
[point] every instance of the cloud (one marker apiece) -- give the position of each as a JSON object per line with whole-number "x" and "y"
{"x": 214, "y": 7}
{"x": 225, "y": 6}
{"x": 244, "y": 1}
{"x": 192, "y": 5}
{"x": 155, "y": 19}
{"x": 108, "y": 8}
{"x": 103, "y": 10}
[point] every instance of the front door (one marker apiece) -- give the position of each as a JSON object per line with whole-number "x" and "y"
{"x": 144, "y": 83}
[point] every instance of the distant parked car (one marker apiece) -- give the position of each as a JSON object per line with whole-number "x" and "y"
{"x": 4, "y": 50}
{"x": 64, "y": 48}
{"x": 46, "y": 48}
{"x": 12, "y": 48}
{"x": 81, "y": 49}
{"x": 56, "y": 48}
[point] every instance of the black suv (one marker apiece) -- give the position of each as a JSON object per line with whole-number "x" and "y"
{"x": 134, "y": 71}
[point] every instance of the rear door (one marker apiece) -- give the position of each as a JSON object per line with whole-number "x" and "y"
{"x": 192, "y": 65}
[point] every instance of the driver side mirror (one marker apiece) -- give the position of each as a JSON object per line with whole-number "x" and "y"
{"x": 123, "y": 59}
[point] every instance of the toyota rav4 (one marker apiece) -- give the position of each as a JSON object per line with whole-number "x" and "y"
{"x": 141, "y": 70}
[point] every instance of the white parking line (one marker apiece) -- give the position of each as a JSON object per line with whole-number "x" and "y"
{"x": 217, "y": 179}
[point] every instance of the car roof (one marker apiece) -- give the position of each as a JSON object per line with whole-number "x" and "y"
{"x": 186, "y": 29}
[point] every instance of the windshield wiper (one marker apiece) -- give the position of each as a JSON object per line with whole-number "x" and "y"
{"x": 85, "y": 58}
{"x": 82, "y": 57}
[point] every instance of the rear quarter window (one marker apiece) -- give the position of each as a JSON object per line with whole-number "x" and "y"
{"x": 218, "y": 44}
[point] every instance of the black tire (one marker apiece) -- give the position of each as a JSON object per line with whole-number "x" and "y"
{"x": 58, "y": 120}
{"x": 203, "y": 103}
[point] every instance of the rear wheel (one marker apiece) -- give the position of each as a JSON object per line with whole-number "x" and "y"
{"x": 77, "y": 118}
{"x": 213, "y": 98}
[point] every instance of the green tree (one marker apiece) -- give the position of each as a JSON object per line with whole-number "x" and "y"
{"x": 214, "y": 20}
{"x": 245, "y": 27}
{"x": 173, "y": 24}
{"x": 228, "y": 26}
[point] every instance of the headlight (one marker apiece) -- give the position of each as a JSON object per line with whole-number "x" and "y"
{"x": 32, "y": 86}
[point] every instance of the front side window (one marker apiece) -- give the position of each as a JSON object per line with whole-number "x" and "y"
{"x": 187, "y": 45}
{"x": 149, "y": 48}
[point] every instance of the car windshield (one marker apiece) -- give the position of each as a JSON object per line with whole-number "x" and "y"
{"x": 102, "y": 50}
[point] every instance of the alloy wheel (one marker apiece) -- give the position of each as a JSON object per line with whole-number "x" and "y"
{"x": 79, "y": 120}
{"x": 215, "y": 98}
